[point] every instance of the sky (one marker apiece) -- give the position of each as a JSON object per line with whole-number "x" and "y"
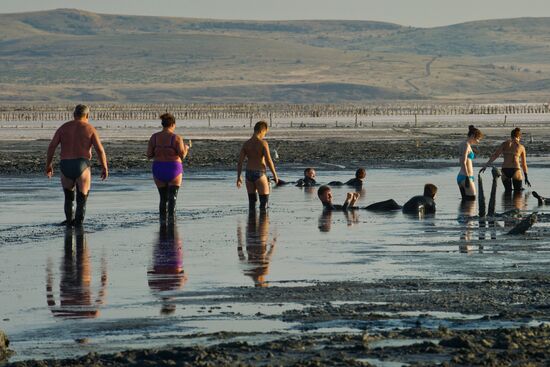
{"x": 417, "y": 13}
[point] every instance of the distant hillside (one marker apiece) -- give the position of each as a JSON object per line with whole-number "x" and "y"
{"x": 67, "y": 55}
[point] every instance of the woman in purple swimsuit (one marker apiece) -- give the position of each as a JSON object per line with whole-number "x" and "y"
{"x": 167, "y": 151}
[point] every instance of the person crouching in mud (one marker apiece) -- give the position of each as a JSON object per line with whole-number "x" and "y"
{"x": 422, "y": 204}
{"x": 76, "y": 138}
{"x": 256, "y": 151}
{"x": 167, "y": 151}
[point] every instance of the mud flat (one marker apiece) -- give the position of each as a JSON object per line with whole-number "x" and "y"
{"x": 300, "y": 147}
{"x": 436, "y": 323}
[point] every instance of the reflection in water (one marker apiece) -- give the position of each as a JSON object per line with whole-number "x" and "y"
{"x": 513, "y": 200}
{"x": 75, "y": 294}
{"x": 466, "y": 213}
{"x": 325, "y": 219}
{"x": 258, "y": 253}
{"x": 166, "y": 273}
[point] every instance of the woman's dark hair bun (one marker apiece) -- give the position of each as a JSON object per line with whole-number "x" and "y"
{"x": 471, "y": 128}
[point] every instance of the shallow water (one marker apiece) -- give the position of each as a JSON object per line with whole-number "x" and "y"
{"x": 124, "y": 282}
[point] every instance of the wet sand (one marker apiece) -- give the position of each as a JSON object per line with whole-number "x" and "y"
{"x": 428, "y": 292}
{"x": 27, "y": 157}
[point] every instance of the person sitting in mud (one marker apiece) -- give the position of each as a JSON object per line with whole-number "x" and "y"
{"x": 168, "y": 151}
{"x": 422, "y": 204}
{"x": 356, "y": 182}
{"x": 542, "y": 200}
{"x": 307, "y": 181}
{"x": 465, "y": 177}
{"x": 256, "y": 151}
{"x": 76, "y": 138}
{"x": 514, "y": 159}
{"x": 325, "y": 195}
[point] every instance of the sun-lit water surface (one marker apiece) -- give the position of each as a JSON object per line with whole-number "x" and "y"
{"x": 124, "y": 281}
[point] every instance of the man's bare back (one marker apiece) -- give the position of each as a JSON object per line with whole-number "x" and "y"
{"x": 76, "y": 138}
{"x": 254, "y": 150}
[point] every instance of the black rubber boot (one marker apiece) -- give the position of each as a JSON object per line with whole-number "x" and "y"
{"x": 163, "y": 193}
{"x": 69, "y": 207}
{"x": 172, "y": 197}
{"x": 263, "y": 201}
{"x": 80, "y": 208}
{"x": 252, "y": 198}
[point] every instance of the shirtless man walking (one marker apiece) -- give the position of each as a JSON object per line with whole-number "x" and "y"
{"x": 76, "y": 138}
{"x": 514, "y": 160}
{"x": 256, "y": 150}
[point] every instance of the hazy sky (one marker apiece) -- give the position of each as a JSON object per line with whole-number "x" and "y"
{"x": 422, "y": 13}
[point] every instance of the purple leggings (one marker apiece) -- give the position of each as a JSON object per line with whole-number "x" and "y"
{"x": 167, "y": 171}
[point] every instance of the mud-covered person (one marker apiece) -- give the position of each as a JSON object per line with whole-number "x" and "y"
{"x": 422, "y": 204}
{"x": 307, "y": 181}
{"x": 514, "y": 162}
{"x": 256, "y": 151}
{"x": 325, "y": 195}
{"x": 76, "y": 138}
{"x": 357, "y": 181}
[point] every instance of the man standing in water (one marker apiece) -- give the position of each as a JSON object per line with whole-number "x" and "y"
{"x": 76, "y": 138}
{"x": 256, "y": 151}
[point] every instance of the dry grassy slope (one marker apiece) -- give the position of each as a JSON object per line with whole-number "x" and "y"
{"x": 74, "y": 55}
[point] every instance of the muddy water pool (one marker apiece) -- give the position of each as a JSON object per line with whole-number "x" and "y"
{"x": 124, "y": 281}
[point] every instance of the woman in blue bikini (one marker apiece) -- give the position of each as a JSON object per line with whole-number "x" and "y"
{"x": 167, "y": 151}
{"x": 465, "y": 178}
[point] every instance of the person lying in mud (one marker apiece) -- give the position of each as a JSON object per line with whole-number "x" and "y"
{"x": 307, "y": 181}
{"x": 76, "y": 138}
{"x": 356, "y": 182}
{"x": 514, "y": 162}
{"x": 168, "y": 151}
{"x": 325, "y": 195}
{"x": 422, "y": 204}
{"x": 465, "y": 177}
{"x": 256, "y": 151}
{"x": 542, "y": 200}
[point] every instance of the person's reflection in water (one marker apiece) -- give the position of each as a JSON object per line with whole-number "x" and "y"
{"x": 257, "y": 248}
{"x": 166, "y": 274}
{"x": 325, "y": 219}
{"x": 510, "y": 201}
{"x": 466, "y": 213}
{"x": 75, "y": 294}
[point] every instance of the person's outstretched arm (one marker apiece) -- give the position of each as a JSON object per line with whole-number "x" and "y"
{"x": 101, "y": 155}
{"x": 495, "y": 155}
{"x": 51, "y": 151}
{"x": 523, "y": 162}
{"x": 183, "y": 149}
{"x": 242, "y": 155}
{"x": 150, "y": 149}
{"x": 269, "y": 162}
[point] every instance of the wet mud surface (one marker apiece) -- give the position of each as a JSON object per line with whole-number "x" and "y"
{"x": 18, "y": 157}
{"x": 453, "y": 324}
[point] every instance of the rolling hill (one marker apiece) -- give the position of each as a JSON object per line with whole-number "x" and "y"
{"x": 71, "y": 55}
